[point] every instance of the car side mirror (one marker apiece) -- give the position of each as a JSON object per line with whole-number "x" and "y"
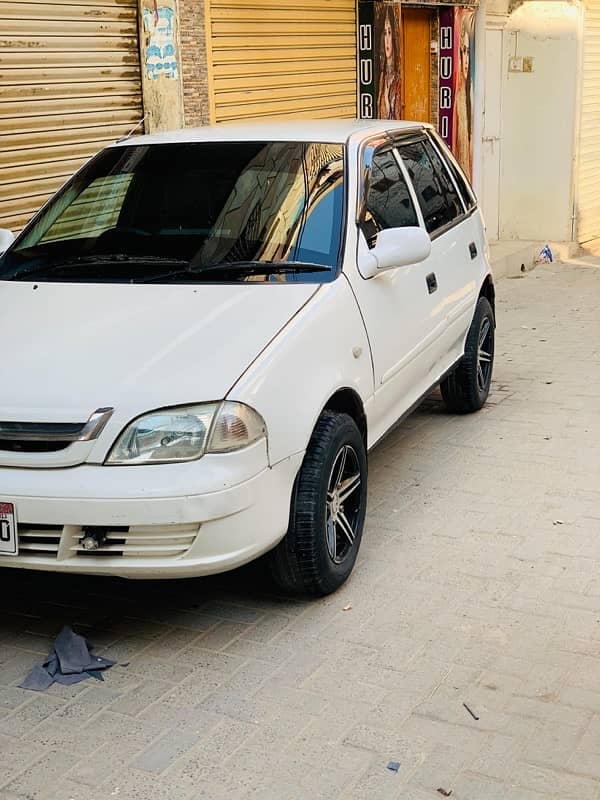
{"x": 6, "y": 239}
{"x": 395, "y": 247}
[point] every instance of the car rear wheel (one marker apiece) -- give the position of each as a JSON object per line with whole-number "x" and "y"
{"x": 328, "y": 509}
{"x": 466, "y": 388}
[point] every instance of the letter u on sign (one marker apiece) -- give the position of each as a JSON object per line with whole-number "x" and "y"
{"x": 446, "y": 67}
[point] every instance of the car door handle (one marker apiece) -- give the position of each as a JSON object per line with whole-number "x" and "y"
{"x": 431, "y": 282}
{"x": 473, "y": 250}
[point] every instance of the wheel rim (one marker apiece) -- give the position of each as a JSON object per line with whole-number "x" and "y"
{"x": 343, "y": 504}
{"x": 485, "y": 355}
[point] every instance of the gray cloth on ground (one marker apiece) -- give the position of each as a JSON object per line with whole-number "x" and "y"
{"x": 69, "y": 662}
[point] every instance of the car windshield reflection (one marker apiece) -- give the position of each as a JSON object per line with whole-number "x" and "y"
{"x": 174, "y": 212}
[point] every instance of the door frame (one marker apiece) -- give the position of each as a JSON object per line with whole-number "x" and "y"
{"x": 492, "y": 100}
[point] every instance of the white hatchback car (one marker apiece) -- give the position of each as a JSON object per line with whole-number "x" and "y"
{"x": 204, "y": 332}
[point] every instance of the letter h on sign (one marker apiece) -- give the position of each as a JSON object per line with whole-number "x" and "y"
{"x": 365, "y": 40}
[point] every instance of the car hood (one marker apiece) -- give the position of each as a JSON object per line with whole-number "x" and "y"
{"x": 69, "y": 349}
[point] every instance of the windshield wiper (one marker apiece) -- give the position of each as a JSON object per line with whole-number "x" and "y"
{"x": 246, "y": 268}
{"x": 97, "y": 258}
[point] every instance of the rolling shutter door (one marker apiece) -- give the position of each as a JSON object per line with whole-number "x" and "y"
{"x": 270, "y": 58}
{"x": 69, "y": 83}
{"x": 588, "y": 195}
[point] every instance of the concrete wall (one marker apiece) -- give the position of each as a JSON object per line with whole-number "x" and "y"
{"x": 160, "y": 65}
{"x": 538, "y": 113}
{"x": 193, "y": 62}
{"x": 174, "y": 97}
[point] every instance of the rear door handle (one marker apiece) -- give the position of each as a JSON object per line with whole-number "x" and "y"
{"x": 473, "y": 250}
{"x": 431, "y": 282}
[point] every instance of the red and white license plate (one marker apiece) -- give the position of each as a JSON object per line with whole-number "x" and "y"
{"x": 8, "y": 530}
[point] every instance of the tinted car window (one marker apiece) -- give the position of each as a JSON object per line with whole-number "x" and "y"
{"x": 438, "y": 209}
{"x": 465, "y": 190}
{"x": 452, "y": 196}
{"x": 178, "y": 212}
{"x": 389, "y": 204}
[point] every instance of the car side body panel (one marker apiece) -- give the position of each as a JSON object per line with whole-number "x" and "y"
{"x": 324, "y": 348}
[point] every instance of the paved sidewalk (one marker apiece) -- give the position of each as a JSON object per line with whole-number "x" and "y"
{"x": 478, "y": 583}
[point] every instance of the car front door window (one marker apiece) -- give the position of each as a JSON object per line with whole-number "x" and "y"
{"x": 389, "y": 203}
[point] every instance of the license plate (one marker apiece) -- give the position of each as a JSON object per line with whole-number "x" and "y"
{"x": 8, "y": 530}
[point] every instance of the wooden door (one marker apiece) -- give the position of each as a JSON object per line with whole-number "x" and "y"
{"x": 416, "y": 78}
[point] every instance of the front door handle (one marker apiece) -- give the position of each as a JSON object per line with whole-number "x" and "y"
{"x": 473, "y": 250}
{"x": 431, "y": 282}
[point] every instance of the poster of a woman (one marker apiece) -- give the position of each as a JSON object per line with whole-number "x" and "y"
{"x": 388, "y": 36}
{"x": 463, "y": 92}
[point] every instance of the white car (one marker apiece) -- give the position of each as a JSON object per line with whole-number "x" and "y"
{"x": 204, "y": 332}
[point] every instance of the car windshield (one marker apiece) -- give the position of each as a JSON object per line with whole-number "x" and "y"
{"x": 191, "y": 212}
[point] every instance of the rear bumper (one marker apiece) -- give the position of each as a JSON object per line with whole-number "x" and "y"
{"x": 156, "y": 524}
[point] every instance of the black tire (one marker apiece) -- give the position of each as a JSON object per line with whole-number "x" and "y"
{"x": 316, "y": 555}
{"x": 466, "y": 388}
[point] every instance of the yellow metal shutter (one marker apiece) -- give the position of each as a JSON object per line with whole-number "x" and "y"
{"x": 588, "y": 195}
{"x": 269, "y": 58}
{"x": 69, "y": 83}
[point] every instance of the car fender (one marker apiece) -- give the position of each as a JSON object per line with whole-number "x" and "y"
{"x": 482, "y": 267}
{"x": 322, "y": 349}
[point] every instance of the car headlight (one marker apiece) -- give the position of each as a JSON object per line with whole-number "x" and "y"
{"x": 187, "y": 433}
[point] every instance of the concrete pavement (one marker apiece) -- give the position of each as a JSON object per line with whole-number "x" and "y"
{"x": 478, "y": 584}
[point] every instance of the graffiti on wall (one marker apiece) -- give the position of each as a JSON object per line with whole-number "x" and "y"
{"x": 160, "y": 53}
{"x": 457, "y": 74}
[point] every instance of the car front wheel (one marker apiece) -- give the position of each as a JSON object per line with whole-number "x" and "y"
{"x": 328, "y": 509}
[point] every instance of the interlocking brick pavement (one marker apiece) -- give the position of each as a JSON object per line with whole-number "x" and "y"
{"x": 468, "y": 590}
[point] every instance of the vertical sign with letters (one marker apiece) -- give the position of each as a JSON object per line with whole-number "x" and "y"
{"x": 366, "y": 65}
{"x": 457, "y": 79}
{"x": 446, "y": 50}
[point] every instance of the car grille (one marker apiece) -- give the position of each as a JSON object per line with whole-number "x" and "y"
{"x": 50, "y": 444}
{"x": 140, "y": 541}
{"x": 33, "y": 437}
{"x": 25, "y": 446}
{"x": 40, "y": 539}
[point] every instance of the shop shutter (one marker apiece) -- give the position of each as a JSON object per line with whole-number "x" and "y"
{"x": 269, "y": 58}
{"x": 69, "y": 83}
{"x": 588, "y": 195}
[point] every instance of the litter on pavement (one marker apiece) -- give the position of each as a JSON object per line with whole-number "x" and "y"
{"x": 472, "y": 713}
{"x": 69, "y": 662}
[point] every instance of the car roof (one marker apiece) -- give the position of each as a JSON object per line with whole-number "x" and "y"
{"x": 316, "y": 130}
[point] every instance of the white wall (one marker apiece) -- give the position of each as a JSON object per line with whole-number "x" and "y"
{"x": 538, "y": 122}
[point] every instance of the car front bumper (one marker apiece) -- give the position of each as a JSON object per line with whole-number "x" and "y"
{"x": 156, "y": 521}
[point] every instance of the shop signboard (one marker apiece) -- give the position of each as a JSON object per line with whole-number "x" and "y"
{"x": 456, "y": 81}
{"x": 366, "y": 66}
{"x": 379, "y": 59}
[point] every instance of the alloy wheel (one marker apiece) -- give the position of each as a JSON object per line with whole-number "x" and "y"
{"x": 485, "y": 355}
{"x": 343, "y": 504}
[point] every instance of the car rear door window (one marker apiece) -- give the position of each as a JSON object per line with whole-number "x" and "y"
{"x": 452, "y": 197}
{"x": 461, "y": 182}
{"x": 436, "y": 194}
{"x": 389, "y": 204}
